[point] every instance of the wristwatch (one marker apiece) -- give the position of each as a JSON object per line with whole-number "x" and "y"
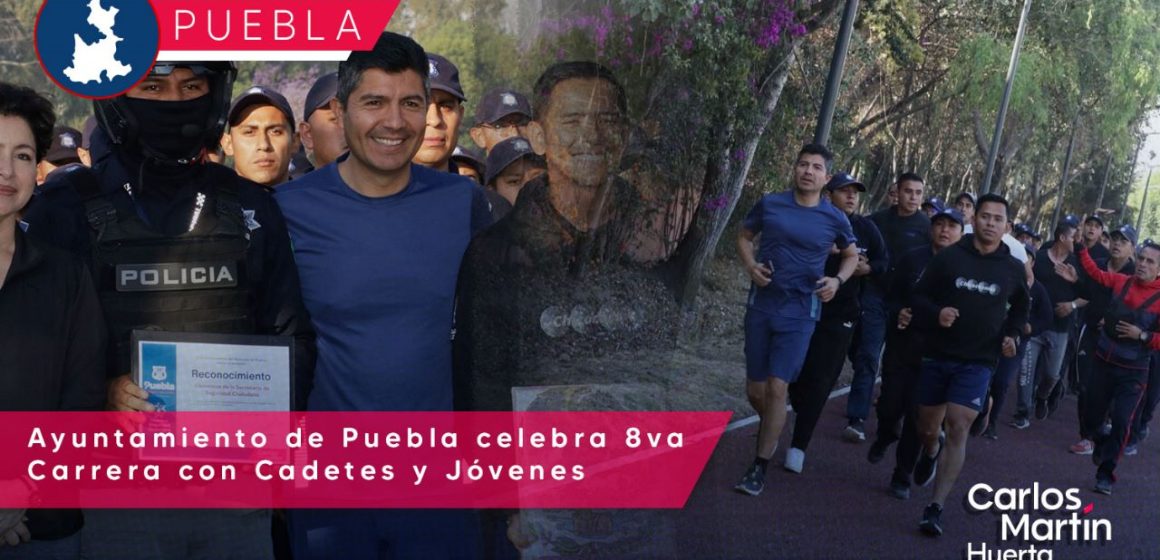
{"x": 1144, "y": 336}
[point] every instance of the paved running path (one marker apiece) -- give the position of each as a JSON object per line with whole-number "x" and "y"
{"x": 839, "y": 507}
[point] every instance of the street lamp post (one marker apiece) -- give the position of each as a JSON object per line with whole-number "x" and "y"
{"x": 1144, "y": 202}
{"x": 834, "y": 81}
{"x": 1011, "y": 68}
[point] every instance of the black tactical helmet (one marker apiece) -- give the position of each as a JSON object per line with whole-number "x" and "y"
{"x": 123, "y": 128}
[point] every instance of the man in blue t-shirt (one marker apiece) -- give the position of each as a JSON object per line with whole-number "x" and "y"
{"x": 798, "y": 230}
{"x": 378, "y": 242}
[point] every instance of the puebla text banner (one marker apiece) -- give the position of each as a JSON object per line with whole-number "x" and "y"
{"x": 241, "y": 28}
{"x": 354, "y": 460}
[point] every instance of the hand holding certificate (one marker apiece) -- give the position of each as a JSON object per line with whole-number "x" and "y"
{"x": 213, "y": 372}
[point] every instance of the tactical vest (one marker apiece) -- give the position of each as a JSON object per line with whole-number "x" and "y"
{"x": 1132, "y": 354}
{"x": 193, "y": 282}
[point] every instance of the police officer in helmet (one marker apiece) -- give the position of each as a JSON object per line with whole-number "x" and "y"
{"x": 155, "y": 208}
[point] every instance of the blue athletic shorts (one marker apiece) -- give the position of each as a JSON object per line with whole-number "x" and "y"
{"x": 775, "y": 346}
{"x": 953, "y": 382}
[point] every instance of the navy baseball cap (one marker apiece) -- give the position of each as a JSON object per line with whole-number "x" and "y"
{"x": 499, "y": 103}
{"x": 948, "y": 213}
{"x": 935, "y": 203}
{"x": 444, "y": 76}
{"x": 506, "y": 153}
{"x": 1127, "y": 232}
{"x": 1094, "y": 218}
{"x": 1069, "y": 220}
{"x": 469, "y": 157}
{"x": 65, "y": 142}
{"x": 324, "y": 89}
{"x": 260, "y": 95}
{"x": 842, "y": 180}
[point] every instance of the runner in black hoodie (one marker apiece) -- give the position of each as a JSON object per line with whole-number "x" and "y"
{"x": 962, "y": 302}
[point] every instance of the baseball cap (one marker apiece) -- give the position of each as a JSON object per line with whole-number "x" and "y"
{"x": 970, "y": 196}
{"x": 259, "y": 95}
{"x": 444, "y": 76}
{"x": 499, "y": 103}
{"x": 934, "y": 202}
{"x": 1069, "y": 220}
{"x": 324, "y": 89}
{"x": 1127, "y": 232}
{"x": 949, "y": 213}
{"x": 841, "y": 180}
{"x": 469, "y": 157}
{"x": 65, "y": 142}
{"x": 1094, "y": 218}
{"x": 506, "y": 153}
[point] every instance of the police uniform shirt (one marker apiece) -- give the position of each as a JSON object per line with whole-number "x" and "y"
{"x": 168, "y": 202}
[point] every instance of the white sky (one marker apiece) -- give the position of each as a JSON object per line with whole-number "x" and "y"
{"x": 1151, "y": 144}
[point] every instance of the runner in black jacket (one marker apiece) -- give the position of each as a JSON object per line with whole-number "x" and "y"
{"x": 902, "y": 359}
{"x": 962, "y": 301}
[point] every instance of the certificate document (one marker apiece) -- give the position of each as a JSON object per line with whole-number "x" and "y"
{"x": 196, "y": 372}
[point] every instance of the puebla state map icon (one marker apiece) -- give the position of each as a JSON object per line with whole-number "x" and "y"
{"x": 96, "y": 48}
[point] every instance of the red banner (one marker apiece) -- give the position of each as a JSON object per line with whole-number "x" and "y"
{"x": 355, "y": 460}
{"x": 261, "y": 25}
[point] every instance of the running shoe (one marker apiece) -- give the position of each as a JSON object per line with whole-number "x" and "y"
{"x": 794, "y": 459}
{"x": 931, "y": 520}
{"x": 1082, "y": 447}
{"x": 753, "y": 482}
{"x": 1103, "y": 486}
{"x": 991, "y": 432}
{"x": 1020, "y": 423}
{"x": 900, "y": 490}
{"x": 855, "y": 431}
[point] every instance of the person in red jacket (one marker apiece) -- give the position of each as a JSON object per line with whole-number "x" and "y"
{"x": 1121, "y": 359}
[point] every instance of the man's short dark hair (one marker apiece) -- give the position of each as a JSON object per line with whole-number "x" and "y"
{"x": 910, "y": 176}
{"x": 817, "y": 150}
{"x": 1063, "y": 227}
{"x": 392, "y": 53}
{"x": 556, "y": 73}
{"x": 993, "y": 198}
{"x": 19, "y": 101}
{"x": 965, "y": 195}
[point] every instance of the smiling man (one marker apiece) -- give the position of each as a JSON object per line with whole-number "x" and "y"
{"x": 378, "y": 241}
{"x": 261, "y": 137}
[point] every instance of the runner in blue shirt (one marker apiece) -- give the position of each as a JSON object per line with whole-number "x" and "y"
{"x": 798, "y": 231}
